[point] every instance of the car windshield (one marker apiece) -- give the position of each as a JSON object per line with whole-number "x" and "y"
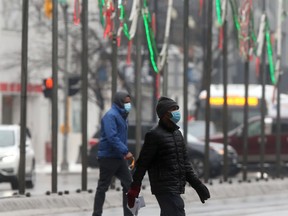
{"x": 6, "y": 138}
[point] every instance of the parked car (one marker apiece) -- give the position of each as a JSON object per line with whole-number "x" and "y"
{"x": 10, "y": 156}
{"x": 196, "y": 152}
{"x": 94, "y": 141}
{"x": 236, "y": 139}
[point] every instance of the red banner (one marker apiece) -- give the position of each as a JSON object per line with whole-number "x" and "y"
{"x": 16, "y": 87}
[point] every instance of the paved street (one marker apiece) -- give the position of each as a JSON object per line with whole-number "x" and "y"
{"x": 248, "y": 206}
{"x": 227, "y": 199}
{"x": 66, "y": 181}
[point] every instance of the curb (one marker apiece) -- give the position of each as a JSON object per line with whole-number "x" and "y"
{"x": 83, "y": 201}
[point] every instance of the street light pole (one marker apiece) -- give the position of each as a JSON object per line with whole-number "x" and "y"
{"x": 138, "y": 88}
{"x": 246, "y": 115}
{"x": 24, "y": 71}
{"x": 279, "y": 73}
{"x": 114, "y": 54}
{"x": 156, "y": 75}
{"x": 263, "y": 82}
{"x": 84, "y": 90}
{"x": 208, "y": 70}
{"x": 185, "y": 67}
{"x": 64, "y": 164}
{"x": 225, "y": 105}
{"x": 54, "y": 94}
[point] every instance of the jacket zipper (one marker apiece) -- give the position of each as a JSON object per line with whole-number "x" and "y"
{"x": 179, "y": 174}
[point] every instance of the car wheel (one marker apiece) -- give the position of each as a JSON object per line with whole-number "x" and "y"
{"x": 198, "y": 164}
{"x": 30, "y": 183}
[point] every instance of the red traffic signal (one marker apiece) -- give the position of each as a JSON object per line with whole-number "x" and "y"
{"x": 47, "y": 87}
{"x": 49, "y": 83}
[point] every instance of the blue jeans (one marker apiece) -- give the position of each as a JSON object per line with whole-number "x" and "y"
{"x": 170, "y": 204}
{"x": 108, "y": 168}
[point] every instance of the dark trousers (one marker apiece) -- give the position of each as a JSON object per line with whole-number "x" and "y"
{"x": 108, "y": 168}
{"x": 170, "y": 204}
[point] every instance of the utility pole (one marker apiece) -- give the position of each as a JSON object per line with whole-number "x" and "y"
{"x": 156, "y": 75}
{"x": 279, "y": 73}
{"x": 84, "y": 89}
{"x": 204, "y": 45}
{"x": 246, "y": 112}
{"x": 208, "y": 70}
{"x": 165, "y": 70}
{"x": 165, "y": 75}
{"x": 24, "y": 73}
{"x": 54, "y": 94}
{"x": 114, "y": 65}
{"x": 64, "y": 164}
{"x": 263, "y": 82}
{"x": 225, "y": 106}
{"x": 185, "y": 66}
{"x": 114, "y": 54}
{"x": 138, "y": 83}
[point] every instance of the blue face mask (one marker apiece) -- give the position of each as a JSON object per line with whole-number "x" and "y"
{"x": 175, "y": 116}
{"x": 127, "y": 107}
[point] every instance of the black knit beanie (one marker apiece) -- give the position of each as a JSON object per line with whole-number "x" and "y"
{"x": 164, "y": 105}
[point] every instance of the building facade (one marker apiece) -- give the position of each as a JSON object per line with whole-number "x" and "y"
{"x": 38, "y": 107}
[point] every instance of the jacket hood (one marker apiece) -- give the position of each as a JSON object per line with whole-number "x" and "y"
{"x": 119, "y": 98}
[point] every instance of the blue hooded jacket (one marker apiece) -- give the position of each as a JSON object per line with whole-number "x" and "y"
{"x": 113, "y": 139}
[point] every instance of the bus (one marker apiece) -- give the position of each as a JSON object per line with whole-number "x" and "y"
{"x": 236, "y": 103}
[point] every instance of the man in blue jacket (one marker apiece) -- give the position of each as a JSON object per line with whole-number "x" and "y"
{"x": 113, "y": 152}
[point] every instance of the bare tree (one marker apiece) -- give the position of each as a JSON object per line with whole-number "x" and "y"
{"x": 40, "y": 28}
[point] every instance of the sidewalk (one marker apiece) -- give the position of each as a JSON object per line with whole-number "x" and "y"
{"x": 74, "y": 168}
{"x": 82, "y": 202}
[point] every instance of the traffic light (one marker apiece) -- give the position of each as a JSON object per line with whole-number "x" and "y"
{"x": 47, "y": 87}
{"x": 48, "y": 8}
{"x": 74, "y": 85}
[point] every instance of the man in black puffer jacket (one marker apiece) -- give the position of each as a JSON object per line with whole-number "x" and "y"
{"x": 164, "y": 155}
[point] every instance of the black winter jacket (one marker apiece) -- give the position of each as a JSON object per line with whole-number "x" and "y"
{"x": 164, "y": 155}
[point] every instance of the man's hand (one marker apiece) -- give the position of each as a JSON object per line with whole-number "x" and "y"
{"x": 132, "y": 194}
{"x": 202, "y": 192}
{"x": 128, "y": 156}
